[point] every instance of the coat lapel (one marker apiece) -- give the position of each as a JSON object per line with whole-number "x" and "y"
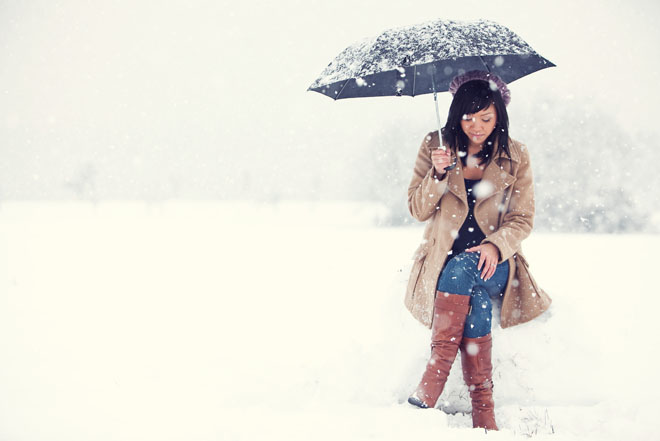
{"x": 494, "y": 181}
{"x": 456, "y": 184}
{"x": 496, "y": 174}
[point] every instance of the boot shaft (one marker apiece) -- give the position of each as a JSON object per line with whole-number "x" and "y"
{"x": 450, "y": 311}
{"x": 476, "y": 354}
{"x": 449, "y": 314}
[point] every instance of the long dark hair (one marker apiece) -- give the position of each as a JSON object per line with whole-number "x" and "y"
{"x": 470, "y": 98}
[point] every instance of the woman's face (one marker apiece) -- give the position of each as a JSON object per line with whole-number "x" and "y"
{"x": 478, "y": 126}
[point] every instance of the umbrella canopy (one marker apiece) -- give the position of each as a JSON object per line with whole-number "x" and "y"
{"x": 424, "y": 58}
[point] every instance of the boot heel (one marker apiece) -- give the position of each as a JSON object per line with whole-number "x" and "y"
{"x": 417, "y": 402}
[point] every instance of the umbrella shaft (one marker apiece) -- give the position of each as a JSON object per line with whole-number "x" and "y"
{"x": 437, "y": 111}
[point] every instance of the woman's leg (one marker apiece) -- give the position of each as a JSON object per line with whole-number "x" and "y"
{"x": 461, "y": 281}
{"x": 476, "y": 344}
{"x": 478, "y": 375}
{"x": 449, "y": 313}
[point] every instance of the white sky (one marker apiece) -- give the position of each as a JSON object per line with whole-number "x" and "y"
{"x": 191, "y": 98}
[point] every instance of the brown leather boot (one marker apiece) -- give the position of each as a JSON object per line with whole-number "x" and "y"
{"x": 449, "y": 313}
{"x": 477, "y": 373}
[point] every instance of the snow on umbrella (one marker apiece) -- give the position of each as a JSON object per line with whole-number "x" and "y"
{"x": 424, "y": 58}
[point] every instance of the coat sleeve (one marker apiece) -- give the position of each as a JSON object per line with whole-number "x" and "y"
{"x": 518, "y": 220}
{"x": 426, "y": 186}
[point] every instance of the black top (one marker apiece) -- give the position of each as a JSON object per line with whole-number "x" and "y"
{"x": 470, "y": 234}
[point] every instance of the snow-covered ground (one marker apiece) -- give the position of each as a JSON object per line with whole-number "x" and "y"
{"x": 233, "y": 321}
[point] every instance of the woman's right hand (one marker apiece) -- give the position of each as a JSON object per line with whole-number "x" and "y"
{"x": 441, "y": 159}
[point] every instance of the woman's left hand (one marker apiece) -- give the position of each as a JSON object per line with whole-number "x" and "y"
{"x": 489, "y": 256}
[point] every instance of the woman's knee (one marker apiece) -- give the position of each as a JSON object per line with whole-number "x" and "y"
{"x": 466, "y": 262}
{"x": 459, "y": 271}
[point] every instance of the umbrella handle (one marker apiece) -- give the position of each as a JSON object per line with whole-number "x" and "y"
{"x": 453, "y": 164}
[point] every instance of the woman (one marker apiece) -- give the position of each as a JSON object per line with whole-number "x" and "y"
{"x": 478, "y": 213}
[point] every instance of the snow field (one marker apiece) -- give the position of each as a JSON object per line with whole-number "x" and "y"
{"x": 239, "y": 321}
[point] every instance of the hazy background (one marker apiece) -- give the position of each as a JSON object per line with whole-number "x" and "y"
{"x": 207, "y": 100}
{"x": 176, "y": 211}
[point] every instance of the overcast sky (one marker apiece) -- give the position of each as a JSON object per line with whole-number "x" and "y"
{"x": 195, "y": 99}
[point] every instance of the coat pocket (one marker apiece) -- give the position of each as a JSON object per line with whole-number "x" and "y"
{"x": 423, "y": 250}
{"x": 416, "y": 271}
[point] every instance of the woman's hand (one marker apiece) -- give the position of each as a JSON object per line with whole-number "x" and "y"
{"x": 440, "y": 159}
{"x": 489, "y": 257}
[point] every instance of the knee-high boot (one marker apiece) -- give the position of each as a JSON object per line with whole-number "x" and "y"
{"x": 477, "y": 373}
{"x": 449, "y": 313}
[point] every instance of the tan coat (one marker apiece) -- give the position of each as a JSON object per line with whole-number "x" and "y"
{"x": 505, "y": 216}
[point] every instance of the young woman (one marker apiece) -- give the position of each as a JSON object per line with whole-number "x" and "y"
{"x": 477, "y": 215}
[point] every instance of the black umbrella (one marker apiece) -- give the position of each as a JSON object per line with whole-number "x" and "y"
{"x": 424, "y": 58}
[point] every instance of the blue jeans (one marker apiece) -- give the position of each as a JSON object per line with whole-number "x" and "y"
{"x": 461, "y": 276}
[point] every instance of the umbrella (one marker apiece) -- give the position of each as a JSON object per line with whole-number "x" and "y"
{"x": 424, "y": 58}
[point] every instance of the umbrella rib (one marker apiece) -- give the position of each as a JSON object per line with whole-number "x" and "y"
{"x": 342, "y": 89}
{"x": 414, "y": 79}
{"x": 484, "y": 63}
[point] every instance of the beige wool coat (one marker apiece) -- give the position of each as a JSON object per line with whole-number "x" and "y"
{"x": 505, "y": 214}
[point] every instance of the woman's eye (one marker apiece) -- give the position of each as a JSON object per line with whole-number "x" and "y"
{"x": 486, "y": 120}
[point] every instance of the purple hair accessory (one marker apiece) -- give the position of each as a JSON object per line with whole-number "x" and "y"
{"x": 495, "y": 83}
